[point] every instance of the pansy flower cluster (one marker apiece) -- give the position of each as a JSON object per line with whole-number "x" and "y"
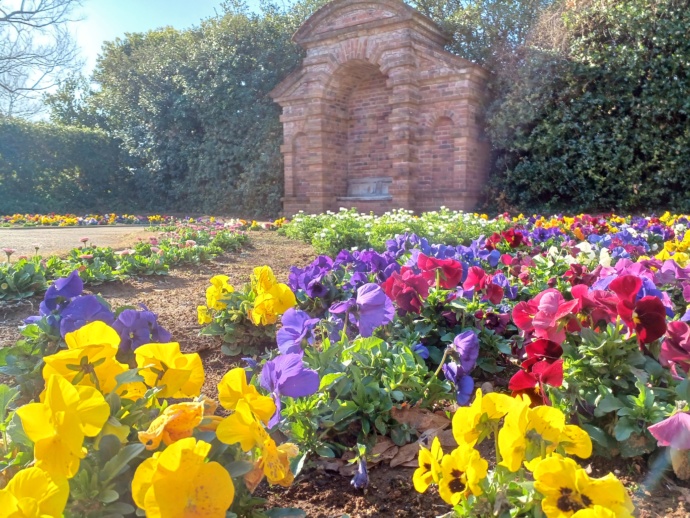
{"x": 534, "y": 441}
{"x": 104, "y": 435}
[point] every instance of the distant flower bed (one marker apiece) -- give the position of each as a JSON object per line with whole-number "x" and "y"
{"x": 186, "y": 244}
{"x": 73, "y": 220}
{"x": 155, "y": 220}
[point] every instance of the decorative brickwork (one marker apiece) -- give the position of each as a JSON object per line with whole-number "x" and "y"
{"x": 380, "y": 116}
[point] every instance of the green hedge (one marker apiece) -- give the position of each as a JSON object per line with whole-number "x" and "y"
{"x": 601, "y": 124}
{"x": 50, "y": 168}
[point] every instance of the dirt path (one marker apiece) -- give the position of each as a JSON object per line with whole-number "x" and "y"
{"x": 59, "y": 241}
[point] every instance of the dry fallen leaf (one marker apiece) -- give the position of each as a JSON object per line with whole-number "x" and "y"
{"x": 407, "y": 453}
{"x": 420, "y": 419}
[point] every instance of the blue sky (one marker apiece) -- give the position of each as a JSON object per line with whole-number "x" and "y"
{"x": 105, "y": 20}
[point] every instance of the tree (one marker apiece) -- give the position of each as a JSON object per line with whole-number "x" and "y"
{"x": 597, "y": 118}
{"x": 36, "y": 50}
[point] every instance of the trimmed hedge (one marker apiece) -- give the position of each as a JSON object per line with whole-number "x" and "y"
{"x": 49, "y": 168}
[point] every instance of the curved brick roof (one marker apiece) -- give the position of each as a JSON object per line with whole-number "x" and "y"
{"x": 343, "y": 16}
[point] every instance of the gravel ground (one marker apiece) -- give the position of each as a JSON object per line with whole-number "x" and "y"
{"x": 61, "y": 240}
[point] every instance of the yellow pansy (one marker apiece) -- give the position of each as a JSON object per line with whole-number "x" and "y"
{"x": 203, "y": 315}
{"x": 461, "y": 473}
{"x": 527, "y": 433}
{"x": 681, "y": 258}
{"x": 575, "y": 441}
{"x": 33, "y": 493}
{"x": 474, "y": 423}
{"x": 243, "y": 428}
{"x": 176, "y": 422}
{"x": 429, "y": 469}
{"x": 568, "y": 489}
{"x": 182, "y": 375}
{"x": 272, "y": 303}
{"x": 234, "y": 387}
{"x": 179, "y": 483}
{"x": 90, "y": 361}
{"x": 275, "y": 462}
{"x": 57, "y": 425}
{"x": 263, "y": 279}
{"x": 92, "y": 366}
{"x": 219, "y": 288}
{"x": 94, "y": 333}
{"x": 596, "y": 511}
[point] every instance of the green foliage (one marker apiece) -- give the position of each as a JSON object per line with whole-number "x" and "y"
{"x": 361, "y": 382}
{"x": 97, "y": 265}
{"x": 596, "y": 115}
{"x": 236, "y": 329}
{"x": 614, "y": 390}
{"x": 193, "y": 112}
{"x": 332, "y": 232}
{"x": 487, "y": 32}
{"x": 46, "y": 168}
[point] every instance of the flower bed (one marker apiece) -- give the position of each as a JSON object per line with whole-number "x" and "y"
{"x": 181, "y": 244}
{"x": 554, "y": 339}
{"x": 72, "y": 220}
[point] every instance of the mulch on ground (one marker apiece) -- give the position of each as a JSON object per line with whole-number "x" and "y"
{"x": 321, "y": 494}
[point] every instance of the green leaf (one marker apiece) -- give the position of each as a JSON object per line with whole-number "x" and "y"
{"x": 609, "y": 403}
{"x": 598, "y": 435}
{"x": 239, "y": 468}
{"x": 623, "y": 429}
{"x": 129, "y": 376}
{"x": 683, "y": 390}
{"x": 329, "y": 379}
{"x": 108, "y": 496}
{"x": 120, "y": 508}
{"x": 120, "y": 462}
{"x": 7, "y": 395}
{"x": 344, "y": 411}
{"x": 108, "y": 447}
{"x": 16, "y": 432}
{"x": 325, "y": 451}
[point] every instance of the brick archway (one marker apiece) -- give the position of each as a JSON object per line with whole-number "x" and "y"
{"x": 379, "y": 116}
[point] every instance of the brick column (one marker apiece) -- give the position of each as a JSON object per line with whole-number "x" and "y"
{"x": 403, "y": 120}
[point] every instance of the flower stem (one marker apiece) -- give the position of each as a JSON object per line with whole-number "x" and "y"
{"x": 498, "y": 452}
{"x": 440, "y": 365}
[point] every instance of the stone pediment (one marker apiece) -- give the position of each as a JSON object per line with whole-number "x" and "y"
{"x": 346, "y": 16}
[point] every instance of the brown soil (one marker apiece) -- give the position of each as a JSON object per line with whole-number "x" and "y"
{"x": 320, "y": 493}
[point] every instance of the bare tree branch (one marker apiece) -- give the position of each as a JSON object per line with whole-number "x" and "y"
{"x": 36, "y": 51}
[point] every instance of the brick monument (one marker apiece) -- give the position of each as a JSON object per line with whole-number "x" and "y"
{"x": 380, "y": 116}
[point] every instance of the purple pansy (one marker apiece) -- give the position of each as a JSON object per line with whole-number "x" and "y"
{"x": 371, "y": 309}
{"x": 464, "y": 384}
{"x": 137, "y": 328}
{"x": 286, "y": 375}
{"x": 310, "y": 279}
{"x": 84, "y": 310}
{"x": 297, "y": 326}
{"x": 421, "y": 350}
{"x": 466, "y": 347}
{"x": 361, "y": 478}
{"x": 374, "y": 308}
{"x": 64, "y": 289}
